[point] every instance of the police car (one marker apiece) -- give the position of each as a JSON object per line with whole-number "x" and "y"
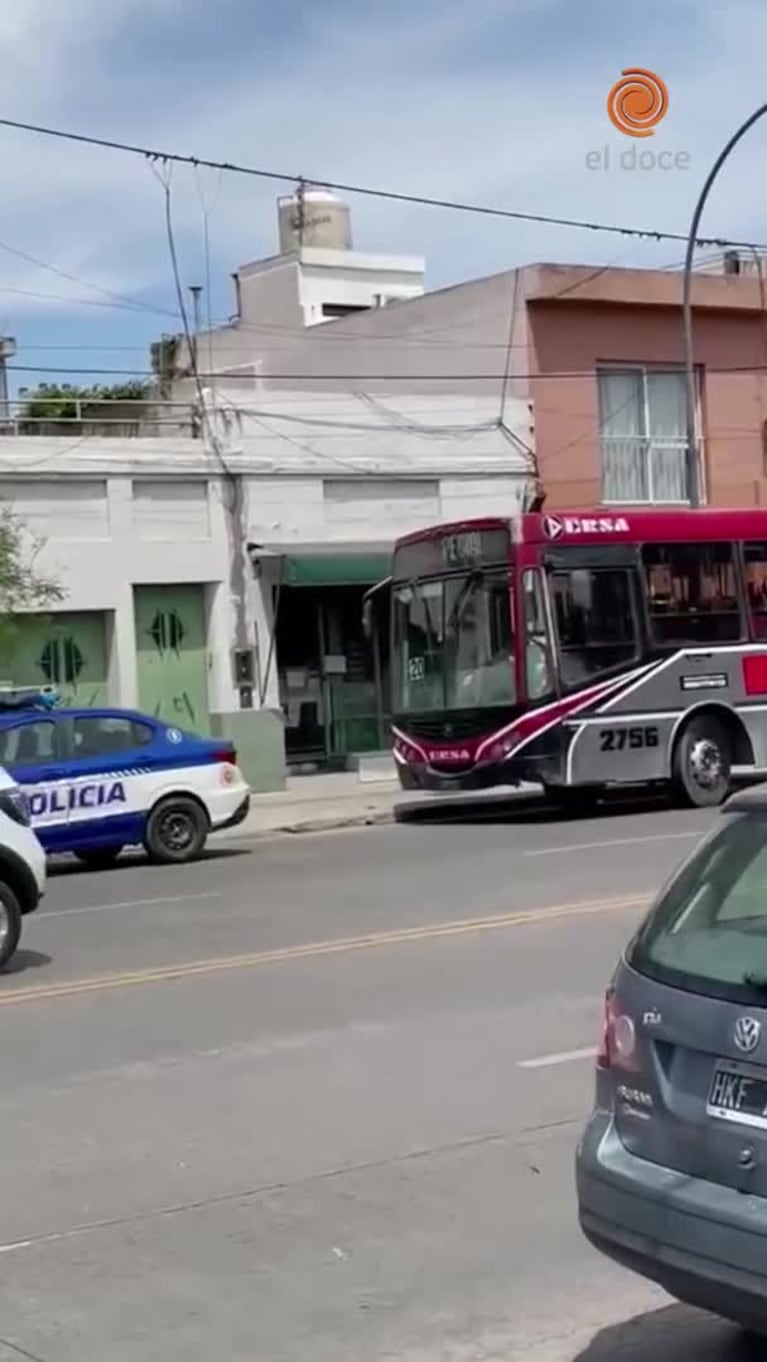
{"x": 98, "y": 780}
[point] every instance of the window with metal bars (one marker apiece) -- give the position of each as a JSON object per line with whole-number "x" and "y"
{"x": 642, "y": 415}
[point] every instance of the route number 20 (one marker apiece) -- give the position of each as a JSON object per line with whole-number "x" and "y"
{"x": 616, "y": 739}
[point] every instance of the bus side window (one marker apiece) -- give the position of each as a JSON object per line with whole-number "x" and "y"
{"x": 692, "y": 593}
{"x": 755, "y": 557}
{"x": 538, "y": 674}
{"x": 595, "y": 619}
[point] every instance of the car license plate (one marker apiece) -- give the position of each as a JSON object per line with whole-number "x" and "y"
{"x": 738, "y": 1094}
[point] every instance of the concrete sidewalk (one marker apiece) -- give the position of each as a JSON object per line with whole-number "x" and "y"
{"x": 321, "y": 803}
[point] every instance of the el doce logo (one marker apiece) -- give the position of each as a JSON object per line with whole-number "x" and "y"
{"x": 636, "y": 104}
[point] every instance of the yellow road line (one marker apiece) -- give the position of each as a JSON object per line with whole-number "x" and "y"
{"x": 339, "y": 946}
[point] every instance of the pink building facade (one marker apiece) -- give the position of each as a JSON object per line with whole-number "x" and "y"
{"x": 599, "y": 354}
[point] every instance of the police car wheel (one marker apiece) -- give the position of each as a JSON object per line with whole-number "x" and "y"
{"x": 10, "y": 923}
{"x": 177, "y": 830}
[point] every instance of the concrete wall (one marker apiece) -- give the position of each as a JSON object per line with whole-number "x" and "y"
{"x": 352, "y": 279}
{"x": 118, "y": 514}
{"x": 279, "y": 298}
{"x": 101, "y": 536}
{"x": 453, "y": 341}
{"x": 376, "y": 511}
{"x": 535, "y": 336}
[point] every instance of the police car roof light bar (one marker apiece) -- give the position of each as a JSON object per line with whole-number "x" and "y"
{"x": 28, "y": 697}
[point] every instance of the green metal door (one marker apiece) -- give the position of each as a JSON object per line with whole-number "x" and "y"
{"x": 66, "y": 650}
{"x": 170, "y": 645}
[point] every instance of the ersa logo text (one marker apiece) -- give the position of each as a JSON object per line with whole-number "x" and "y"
{"x": 554, "y": 526}
{"x": 68, "y": 798}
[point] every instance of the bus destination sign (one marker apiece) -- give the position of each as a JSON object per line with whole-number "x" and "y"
{"x": 463, "y": 549}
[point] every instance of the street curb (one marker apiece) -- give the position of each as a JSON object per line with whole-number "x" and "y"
{"x": 360, "y": 820}
{"x": 401, "y": 812}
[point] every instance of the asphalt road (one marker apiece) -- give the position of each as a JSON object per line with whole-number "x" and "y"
{"x": 288, "y": 1104}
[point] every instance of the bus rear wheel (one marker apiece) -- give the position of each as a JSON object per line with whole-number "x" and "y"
{"x": 702, "y": 763}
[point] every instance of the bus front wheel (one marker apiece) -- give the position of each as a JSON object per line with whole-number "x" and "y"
{"x": 702, "y": 763}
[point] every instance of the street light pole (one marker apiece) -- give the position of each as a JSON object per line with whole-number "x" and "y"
{"x": 693, "y": 468}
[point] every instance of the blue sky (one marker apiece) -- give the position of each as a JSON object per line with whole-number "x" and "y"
{"x": 496, "y": 101}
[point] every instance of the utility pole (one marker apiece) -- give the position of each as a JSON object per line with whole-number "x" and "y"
{"x": 691, "y": 451}
{"x": 7, "y": 351}
{"x": 196, "y": 292}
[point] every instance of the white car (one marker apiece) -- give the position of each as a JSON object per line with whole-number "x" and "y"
{"x": 22, "y": 865}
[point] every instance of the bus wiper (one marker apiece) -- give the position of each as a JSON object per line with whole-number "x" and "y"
{"x": 758, "y": 981}
{"x": 465, "y": 593}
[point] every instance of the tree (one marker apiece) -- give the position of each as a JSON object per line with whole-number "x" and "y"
{"x": 22, "y": 587}
{"x": 53, "y": 404}
{"x": 164, "y": 358}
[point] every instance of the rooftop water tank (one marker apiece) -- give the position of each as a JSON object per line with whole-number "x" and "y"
{"x": 315, "y": 218}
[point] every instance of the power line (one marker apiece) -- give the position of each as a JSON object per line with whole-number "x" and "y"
{"x": 222, "y": 376}
{"x": 394, "y": 196}
{"x": 164, "y": 178}
{"x": 85, "y": 302}
{"x": 118, "y": 298}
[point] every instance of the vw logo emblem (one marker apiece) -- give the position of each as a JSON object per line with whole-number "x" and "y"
{"x": 747, "y": 1034}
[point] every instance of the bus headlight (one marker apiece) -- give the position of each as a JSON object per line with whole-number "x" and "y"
{"x": 404, "y": 752}
{"x": 502, "y": 749}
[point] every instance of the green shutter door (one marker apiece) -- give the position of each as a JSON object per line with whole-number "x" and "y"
{"x": 66, "y": 650}
{"x": 170, "y": 646}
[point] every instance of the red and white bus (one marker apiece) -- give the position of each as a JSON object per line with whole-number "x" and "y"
{"x": 582, "y": 651}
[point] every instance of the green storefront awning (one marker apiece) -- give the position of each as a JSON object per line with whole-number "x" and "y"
{"x": 340, "y": 569}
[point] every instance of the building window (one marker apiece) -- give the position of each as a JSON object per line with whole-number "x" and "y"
{"x": 596, "y": 622}
{"x": 692, "y": 593}
{"x": 343, "y": 309}
{"x": 642, "y": 422}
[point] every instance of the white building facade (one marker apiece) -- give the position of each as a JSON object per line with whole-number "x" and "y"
{"x": 217, "y": 578}
{"x": 251, "y": 631}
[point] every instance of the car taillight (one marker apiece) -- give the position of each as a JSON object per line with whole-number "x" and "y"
{"x": 226, "y": 754}
{"x": 617, "y": 1044}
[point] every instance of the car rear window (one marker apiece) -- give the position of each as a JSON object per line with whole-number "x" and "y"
{"x": 708, "y": 931}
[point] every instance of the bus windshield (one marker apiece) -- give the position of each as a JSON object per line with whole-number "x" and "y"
{"x": 453, "y": 642}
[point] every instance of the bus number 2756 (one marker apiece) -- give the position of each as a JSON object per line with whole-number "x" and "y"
{"x": 617, "y": 739}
